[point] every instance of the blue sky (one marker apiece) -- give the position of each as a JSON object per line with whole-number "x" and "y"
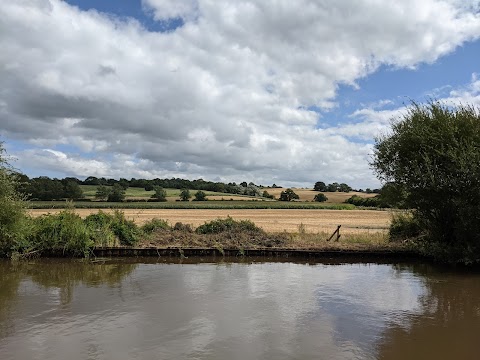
{"x": 286, "y": 92}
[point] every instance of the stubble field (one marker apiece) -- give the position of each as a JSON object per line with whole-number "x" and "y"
{"x": 271, "y": 220}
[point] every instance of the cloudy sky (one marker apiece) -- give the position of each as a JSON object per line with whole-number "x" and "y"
{"x": 285, "y": 92}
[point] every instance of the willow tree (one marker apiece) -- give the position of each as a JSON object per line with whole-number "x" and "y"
{"x": 432, "y": 155}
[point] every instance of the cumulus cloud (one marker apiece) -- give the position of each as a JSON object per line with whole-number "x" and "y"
{"x": 225, "y": 95}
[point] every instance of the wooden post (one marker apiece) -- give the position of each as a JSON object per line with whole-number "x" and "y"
{"x": 335, "y": 232}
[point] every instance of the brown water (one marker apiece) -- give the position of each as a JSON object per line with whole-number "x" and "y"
{"x": 137, "y": 310}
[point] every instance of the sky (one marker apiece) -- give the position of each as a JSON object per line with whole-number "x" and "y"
{"x": 284, "y": 92}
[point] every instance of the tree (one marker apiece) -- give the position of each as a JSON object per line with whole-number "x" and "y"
{"x": 160, "y": 194}
{"x": 333, "y": 187}
{"x": 102, "y": 193}
{"x": 12, "y": 209}
{"x": 267, "y": 195}
{"x": 200, "y": 196}
{"x": 344, "y": 188}
{"x": 320, "y": 197}
{"x": 288, "y": 195}
{"x": 432, "y": 156}
{"x": 117, "y": 194}
{"x": 72, "y": 190}
{"x": 320, "y": 186}
{"x": 185, "y": 195}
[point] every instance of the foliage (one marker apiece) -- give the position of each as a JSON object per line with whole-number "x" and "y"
{"x": 375, "y": 201}
{"x": 320, "y": 186}
{"x": 267, "y": 195}
{"x": 13, "y": 221}
{"x": 404, "y": 226}
{"x": 200, "y": 196}
{"x": 288, "y": 195}
{"x": 185, "y": 195}
{"x": 126, "y": 230}
{"x": 102, "y": 192}
{"x": 432, "y": 155}
{"x": 72, "y": 190}
{"x": 154, "y": 225}
{"x": 214, "y": 204}
{"x": 117, "y": 194}
{"x": 320, "y": 198}
{"x": 160, "y": 194}
{"x": 228, "y": 225}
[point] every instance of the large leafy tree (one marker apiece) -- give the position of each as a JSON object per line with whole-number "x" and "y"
{"x": 432, "y": 157}
{"x": 288, "y": 195}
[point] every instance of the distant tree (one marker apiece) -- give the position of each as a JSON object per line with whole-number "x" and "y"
{"x": 72, "y": 190}
{"x": 102, "y": 193}
{"x": 200, "y": 196}
{"x": 46, "y": 189}
{"x": 91, "y": 180}
{"x": 185, "y": 195}
{"x": 267, "y": 195}
{"x": 117, "y": 194}
{"x": 333, "y": 187}
{"x": 320, "y": 186}
{"x": 344, "y": 188}
{"x": 124, "y": 183}
{"x": 160, "y": 194}
{"x": 288, "y": 195}
{"x": 243, "y": 184}
{"x": 320, "y": 197}
{"x": 148, "y": 186}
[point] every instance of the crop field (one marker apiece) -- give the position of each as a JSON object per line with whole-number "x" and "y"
{"x": 271, "y": 220}
{"x": 227, "y": 204}
{"x": 309, "y": 194}
{"x": 172, "y": 194}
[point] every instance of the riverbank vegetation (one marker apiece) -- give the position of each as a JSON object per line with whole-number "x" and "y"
{"x": 431, "y": 159}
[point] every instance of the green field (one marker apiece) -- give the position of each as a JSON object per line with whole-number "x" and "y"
{"x": 212, "y": 204}
{"x": 132, "y": 192}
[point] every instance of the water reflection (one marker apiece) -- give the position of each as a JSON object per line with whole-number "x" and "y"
{"x": 226, "y": 310}
{"x": 448, "y": 326}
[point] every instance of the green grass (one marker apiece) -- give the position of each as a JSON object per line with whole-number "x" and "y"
{"x": 215, "y": 204}
{"x": 90, "y": 190}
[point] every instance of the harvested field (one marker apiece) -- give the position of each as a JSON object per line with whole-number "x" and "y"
{"x": 309, "y": 194}
{"x": 271, "y": 220}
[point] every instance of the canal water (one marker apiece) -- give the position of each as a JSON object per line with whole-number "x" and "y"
{"x": 125, "y": 309}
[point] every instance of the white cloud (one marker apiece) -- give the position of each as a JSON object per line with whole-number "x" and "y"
{"x": 225, "y": 95}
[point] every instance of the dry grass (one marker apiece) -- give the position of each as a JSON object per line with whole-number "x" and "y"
{"x": 271, "y": 220}
{"x": 309, "y": 194}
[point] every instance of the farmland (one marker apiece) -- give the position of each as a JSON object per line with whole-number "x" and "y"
{"x": 271, "y": 220}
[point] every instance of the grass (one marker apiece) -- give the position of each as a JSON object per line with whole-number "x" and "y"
{"x": 212, "y": 204}
{"x": 136, "y": 193}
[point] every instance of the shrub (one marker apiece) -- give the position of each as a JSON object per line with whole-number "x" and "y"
{"x": 65, "y": 232}
{"x": 200, "y": 196}
{"x": 320, "y": 198}
{"x": 160, "y": 194}
{"x": 404, "y": 226}
{"x": 117, "y": 194}
{"x": 154, "y": 225}
{"x": 126, "y": 230}
{"x": 185, "y": 195}
{"x": 228, "y": 225}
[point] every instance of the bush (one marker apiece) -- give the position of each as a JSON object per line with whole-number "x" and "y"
{"x": 117, "y": 194}
{"x": 228, "y": 225}
{"x": 404, "y": 226}
{"x": 126, "y": 230}
{"x": 185, "y": 195}
{"x": 200, "y": 196}
{"x": 160, "y": 194}
{"x": 320, "y": 198}
{"x": 13, "y": 220}
{"x": 154, "y": 225}
{"x": 65, "y": 232}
